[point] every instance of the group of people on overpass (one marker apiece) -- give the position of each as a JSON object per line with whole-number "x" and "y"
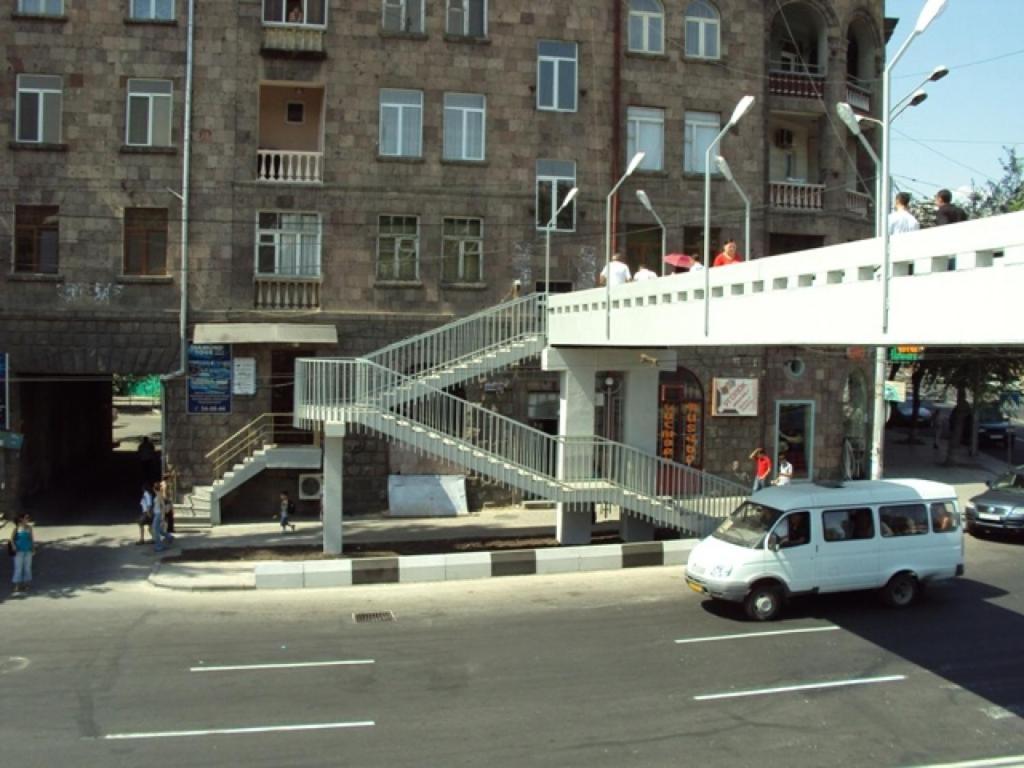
{"x": 946, "y": 212}
{"x": 617, "y": 271}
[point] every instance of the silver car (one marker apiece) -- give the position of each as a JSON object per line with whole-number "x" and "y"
{"x": 1001, "y": 507}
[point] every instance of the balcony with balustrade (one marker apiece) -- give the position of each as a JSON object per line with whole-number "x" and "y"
{"x": 797, "y": 53}
{"x": 295, "y": 29}
{"x": 291, "y": 134}
{"x": 287, "y": 292}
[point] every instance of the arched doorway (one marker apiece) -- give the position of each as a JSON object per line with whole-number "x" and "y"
{"x": 855, "y": 426}
{"x": 681, "y": 417}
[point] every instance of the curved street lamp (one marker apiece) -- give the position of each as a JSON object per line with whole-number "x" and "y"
{"x": 633, "y": 165}
{"x": 547, "y": 237}
{"x": 645, "y": 201}
{"x": 723, "y": 166}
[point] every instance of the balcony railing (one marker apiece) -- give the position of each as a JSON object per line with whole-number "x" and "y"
{"x": 858, "y": 97}
{"x": 797, "y": 196}
{"x": 858, "y": 203}
{"x": 293, "y": 38}
{"x": 287, "y": 292}
{"x": 286, "y": 166}
{"x": 807, "y": 85}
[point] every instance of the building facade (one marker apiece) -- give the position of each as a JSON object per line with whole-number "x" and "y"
{"x": 361, "y": 171}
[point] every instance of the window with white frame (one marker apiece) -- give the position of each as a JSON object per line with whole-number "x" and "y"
{"x": 464, "y": 120}
{"x": 288, "y": 244}
{"x": 149, "y": 113}
{"x": 36, "y": 239}
{"x": 145, "y": 241}
{"x": 703, "y": 29}
{"x": 467, "y": 18}
{"x": 295, "y": 12}
{"x": 153, "y": 10}
{"x": 555, "y": 178}
{"x": 646, "y": 26}
{"x": 401, "y": 123}
{"x": 462, "y": 256}
{"x": 700, "y": 131}
{"x": 556, "y": 76}
{"x": 41, "y": 7}
{"x": 403, "y": 16}
{"x": 398, "y": 248}
{"x": 645, "y": 132}
{"x": 39, "y": 108}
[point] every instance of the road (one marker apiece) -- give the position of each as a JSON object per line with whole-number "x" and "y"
{"x": 572, "y": 670}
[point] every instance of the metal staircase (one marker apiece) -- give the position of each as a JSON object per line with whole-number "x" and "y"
{"x": 573, "y": 471}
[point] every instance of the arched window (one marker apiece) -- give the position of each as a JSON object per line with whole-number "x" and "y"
{"x": 646, "y": 26}
{"x": 703, "y": 30}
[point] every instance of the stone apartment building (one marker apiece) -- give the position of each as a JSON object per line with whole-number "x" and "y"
{"x": 362, "y": 171}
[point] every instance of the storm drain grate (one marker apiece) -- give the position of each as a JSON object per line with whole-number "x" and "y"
{"x": 373, "y": 616}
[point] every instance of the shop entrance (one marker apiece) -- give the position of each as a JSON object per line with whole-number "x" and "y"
{"x": 282, "y": 394}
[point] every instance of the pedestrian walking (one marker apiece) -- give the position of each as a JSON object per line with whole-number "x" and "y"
{"x": 902, "y": 220}
{"x": 168, "y": 509}
{"x": 158, "y": 531}
{"x": 946, "y": 212}
{"x": 149, "y": 464}
{"x": 729, "y": 255}
{"x": 785, "y": 476}
{"x": 285, "y": 510}
{"x": 22, "y": 546}
{"x": 615, "y": 272}
{"x": 644, "y": 274}
{"x": 762, "y": 469}
{"x": 145, "y": 512}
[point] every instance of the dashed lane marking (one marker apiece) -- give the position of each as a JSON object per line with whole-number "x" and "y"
{"x": 744, "y": 635}
{"x": 238, "y": 731}
{"x": 291, "y": 665}
{"x": 805, "y": 687}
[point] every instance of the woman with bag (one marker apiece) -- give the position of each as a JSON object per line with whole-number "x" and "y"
{"x": 23, "y": 545}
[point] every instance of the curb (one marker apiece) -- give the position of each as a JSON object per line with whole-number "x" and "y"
{"x": 311, "y": 574}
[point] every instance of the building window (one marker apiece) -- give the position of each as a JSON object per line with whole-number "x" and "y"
{"x": 398, "y": 248}
{"x": 463, "y": 251}
{"x": 702, "y": 30}
{"x": 701, "y": 130}
{"x": 401, "y": 123}
{"x": 295, "y": 112}
{"x": 41, "y": 7}
{"x": 555, "y": 178}
{"x": 39, "y": 107}
{"x": 403, "y": 16}
{"x": 311, "y": 13}
{"x": 556, "y": 76}
{"x": 145, "y": 241}
{"x": 646, "y": 26}
{"x": 645, "y": 129}
{"x": 149, "y": 113}
{"x": 467, "y": 18}
{"x": 36, "y": 239}
{"x": 153, "y": 10}
{"x": 288, "y": 244}
{"x": 464, "y": 119}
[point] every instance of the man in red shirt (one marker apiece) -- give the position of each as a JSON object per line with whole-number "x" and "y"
{"x": 762, "y": 469}
{"x": 728, "y": 255}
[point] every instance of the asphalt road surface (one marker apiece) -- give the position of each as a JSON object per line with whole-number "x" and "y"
{"x": 624, "y": 668}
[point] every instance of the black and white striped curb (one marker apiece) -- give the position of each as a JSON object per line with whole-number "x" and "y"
{"x": 284, "y": 574}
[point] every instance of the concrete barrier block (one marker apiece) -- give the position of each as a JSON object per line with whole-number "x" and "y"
{"x": 601, "y": 557}
{"x": 279, "y": 574}
{"x": 467, "y": 565}
{"x": 420, "y": 568}
{"x": 558, "y": 560}
{"x": 677, "y": 551}
{"x": 328, "y": 573}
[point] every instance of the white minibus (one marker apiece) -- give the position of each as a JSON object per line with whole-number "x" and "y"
{"x": 892, "y": 535}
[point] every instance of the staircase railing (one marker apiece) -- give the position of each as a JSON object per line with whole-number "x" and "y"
{"x": 265, "y": 429}
{"x": 467, "y": 338}
{"x": 573, "y": 470}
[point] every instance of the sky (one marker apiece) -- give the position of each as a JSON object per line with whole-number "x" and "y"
{"x": 957, "y": 135}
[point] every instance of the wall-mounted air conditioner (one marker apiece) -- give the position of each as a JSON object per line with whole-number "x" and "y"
{"x": 311, "y": 487}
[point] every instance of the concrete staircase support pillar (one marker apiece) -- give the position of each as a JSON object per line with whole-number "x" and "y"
{"x": 334, "y": 441}
{"x": 640, "y": 430}
{"x": 575, "y": 418}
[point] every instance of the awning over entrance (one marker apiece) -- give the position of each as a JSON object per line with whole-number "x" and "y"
{"x": 264, "y": 333}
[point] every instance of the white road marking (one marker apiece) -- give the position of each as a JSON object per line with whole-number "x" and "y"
{"x": 991, "y": 762}
{"x": 755, "y": 634}
{"x": 236, "y": 731}
{"x": 807, "y": 687}
{"x": 292, "y": 665}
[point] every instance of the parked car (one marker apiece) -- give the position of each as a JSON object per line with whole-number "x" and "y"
{"x": 993, "y": 425}
{"x": 1001, "y": 507}
{"x": 902, "y": 413}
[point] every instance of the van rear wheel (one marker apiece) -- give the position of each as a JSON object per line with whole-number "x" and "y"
{"x": 901, "y": 590}
{"x": 763, "y": 602}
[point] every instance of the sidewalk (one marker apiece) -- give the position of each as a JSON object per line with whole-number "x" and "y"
{"x": 901, "y": 460}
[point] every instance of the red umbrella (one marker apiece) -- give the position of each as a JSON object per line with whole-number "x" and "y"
{"x": 680, "y": 260}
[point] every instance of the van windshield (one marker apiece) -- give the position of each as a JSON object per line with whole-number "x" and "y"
{"x": 748, "y": 525}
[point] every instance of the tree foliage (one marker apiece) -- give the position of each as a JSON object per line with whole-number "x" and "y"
{"x": 1003, "y": 196}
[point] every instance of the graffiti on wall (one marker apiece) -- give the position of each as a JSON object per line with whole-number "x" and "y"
{"x": 88, "y": 293}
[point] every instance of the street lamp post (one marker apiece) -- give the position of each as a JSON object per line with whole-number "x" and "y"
{"x": 633, "y": 165}
{"x": 741, "y": 109}
{"x": 916, "y": 98}
{"x": 547, "y": 237}
{"x": 645, "y": 201}
{"x": 723, "y": 166}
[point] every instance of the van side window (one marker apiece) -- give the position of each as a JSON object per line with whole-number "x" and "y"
{"x": 848, "y": 524}
{"x": 794, "y": 530}
{"x": 903, "y": 520}
{"x": 944, "y": 517}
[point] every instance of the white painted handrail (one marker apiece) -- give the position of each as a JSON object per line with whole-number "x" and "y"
{"x": 289, "y": 166}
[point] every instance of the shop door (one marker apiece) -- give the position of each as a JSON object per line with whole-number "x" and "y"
{"x": 282, "y": 394}
{"x": 680, "y": 424}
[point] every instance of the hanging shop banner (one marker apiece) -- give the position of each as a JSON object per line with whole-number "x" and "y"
{"x": 4, "y": 391}
{"x": 209, "y": 378}
{"x": 244, "y": 381}
{"x": 734, "y": 397}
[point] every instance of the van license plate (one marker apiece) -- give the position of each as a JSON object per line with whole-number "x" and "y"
{"x": 982, "y": 516}
{"x": 695, "y": 586}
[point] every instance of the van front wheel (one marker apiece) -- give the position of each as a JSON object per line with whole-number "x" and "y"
{"x": 763, "y": 602}
{"x": 901, "y": 590}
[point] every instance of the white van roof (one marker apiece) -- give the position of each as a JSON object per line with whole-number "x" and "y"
{"x": 852, "y": 493}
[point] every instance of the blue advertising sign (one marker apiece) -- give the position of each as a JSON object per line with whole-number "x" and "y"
{"x": 4, "y": 391}
{"x": 209, "y": 378}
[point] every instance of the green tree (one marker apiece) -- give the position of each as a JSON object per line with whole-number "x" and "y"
{"x": 1003, "y": 196}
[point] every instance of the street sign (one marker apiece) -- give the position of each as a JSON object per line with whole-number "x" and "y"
{"x": 12, "y": 440}
{"x": 905, "y": 354}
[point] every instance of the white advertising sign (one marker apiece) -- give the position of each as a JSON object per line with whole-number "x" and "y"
{"x": 245, "y": 376}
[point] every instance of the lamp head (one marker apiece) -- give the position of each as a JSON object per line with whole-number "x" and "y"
{"x": 723, "y": 166}
{"x": 741, "y": 109}
{"x": 645, "y": 201}
{"x": 938, "y": 73}
{"x": 849, "y": 118}
{"x": 634, "y": 163}
{"x": 568, "y": 199}
{"x": 929, "y": 13}
{"x": 917, "y": 98}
